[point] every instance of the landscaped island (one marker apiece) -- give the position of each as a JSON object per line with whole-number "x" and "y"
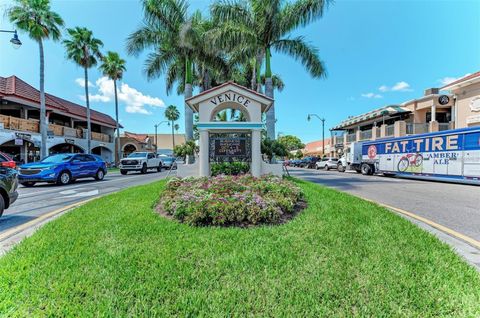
{"x": 231, "y": 200}
{"x": 341, "y": 256}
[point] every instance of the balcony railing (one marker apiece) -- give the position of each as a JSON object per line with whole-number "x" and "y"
{"x": 417, "y": 128}
{"x": 20, "y": 124}
{"x": 33, "y": 125}
{"x": 389, "y": 131}
{"x": 366, "y": 135}
{"x": 443, "y": 126}
{"x": 351, "y": 137}
{"x": 100, "y": 137}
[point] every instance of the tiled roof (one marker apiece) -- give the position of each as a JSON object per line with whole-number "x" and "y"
{"x": 14, "y": 87}
{"x": 142, "y": 138}
{"x": 463, "y": 79}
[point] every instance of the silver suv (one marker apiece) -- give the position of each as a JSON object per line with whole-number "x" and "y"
{"x": 326, "y": 163}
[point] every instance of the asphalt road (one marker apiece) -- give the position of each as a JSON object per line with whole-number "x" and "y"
{"x": 455, "y": 206}
{"x": 43, "y": 198}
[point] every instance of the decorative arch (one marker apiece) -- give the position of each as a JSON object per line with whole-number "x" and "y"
{"x": 128, "y": 148}
{"x": 230, "y": 105}
{"x": 64, "y": 147}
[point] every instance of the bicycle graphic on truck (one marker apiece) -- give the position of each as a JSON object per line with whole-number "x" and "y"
{"x": 410, "y": 160}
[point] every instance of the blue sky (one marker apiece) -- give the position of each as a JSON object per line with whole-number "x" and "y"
{"x": 376, "y": 52}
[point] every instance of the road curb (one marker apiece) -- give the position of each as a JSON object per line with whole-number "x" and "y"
{"x": 435, "y": 225}
{"x": 11, "y": 232}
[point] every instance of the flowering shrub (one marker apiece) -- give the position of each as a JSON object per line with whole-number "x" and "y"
{"x": 231, "y": 200}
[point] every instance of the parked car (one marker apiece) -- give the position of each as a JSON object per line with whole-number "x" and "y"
{"x": 308, "y": 162}
{"x": 295, "y": 162}
{"x": 6, "y": 161}
{"x": 168, "y": 162}
{"x": 62, "y": 169}
{"x": 140, "y": 161}
{"x": 327, "y": 163}
{"x": 8, "y": 185}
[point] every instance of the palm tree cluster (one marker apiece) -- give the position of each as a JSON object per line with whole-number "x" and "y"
{"x": 36, "y": 18}
{"x": 234, "y": 43}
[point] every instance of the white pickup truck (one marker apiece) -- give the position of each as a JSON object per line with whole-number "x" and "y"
{"x": 140, "y": 161}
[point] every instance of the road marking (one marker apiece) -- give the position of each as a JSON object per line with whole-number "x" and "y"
{"x": 81, "y": 194}
{"x": 41, "y": 218}
{"x": 440, "y": 227}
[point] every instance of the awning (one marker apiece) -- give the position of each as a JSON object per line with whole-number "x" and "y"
{"x": 374, "y": 114}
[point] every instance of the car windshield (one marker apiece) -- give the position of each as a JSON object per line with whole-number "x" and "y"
{"x": 58, "y": 158}
{"x": 137, "y": 155}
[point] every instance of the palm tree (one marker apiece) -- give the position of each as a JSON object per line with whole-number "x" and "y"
{"x": 113, "y": 66}
{"x": 36, "y": 18}
{"x": 172, "y": 114}
{"x": 176, "y": 44}
{"x": 263, "y": 26}
{"x": 84, "y": 49}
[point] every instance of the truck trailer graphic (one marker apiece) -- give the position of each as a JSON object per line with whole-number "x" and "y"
{"x": 452, "y": 155}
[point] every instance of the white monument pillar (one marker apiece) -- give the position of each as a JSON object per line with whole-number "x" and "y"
{"x": 204, "y": 160}
{"x": 256, "y": 166}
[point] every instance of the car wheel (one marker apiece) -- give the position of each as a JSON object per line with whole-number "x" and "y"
{"x": 327, "y": 167}
{"x": 340, "y": 168}
{"x": 64, "y": 178}
{"x": 28, "y": 184}
{"x": 124, "y": 172}
{"x": 144, "y": 169}
{"x": 2, "y": 205}
{"x": 317, "y": 167}
{"x": 99, "y": 175}
{"x": 159, "y": 168}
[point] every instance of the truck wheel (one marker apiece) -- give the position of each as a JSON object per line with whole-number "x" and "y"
{"x": 366, "y": 169}
{"x": 159, "y": 168}
{"x": 144, "y": 169}
{"x": 124, "y": 172}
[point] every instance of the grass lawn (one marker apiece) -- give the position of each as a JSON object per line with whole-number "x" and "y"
{"x": 342, "y": 256}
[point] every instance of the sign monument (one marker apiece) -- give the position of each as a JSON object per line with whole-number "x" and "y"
{"x": 223, "y": 141}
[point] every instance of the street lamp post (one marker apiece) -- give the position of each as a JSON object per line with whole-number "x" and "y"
{"x": 309, "y": 117}
{"x": 16, "y": 43}
{"x": 156, "y": 126}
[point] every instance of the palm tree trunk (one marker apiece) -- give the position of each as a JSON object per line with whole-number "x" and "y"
{"x": 43, "y": 111}
{"x": 89, "y": 134}
{"x": 188, "y": 94}
{"x": 117, "y": 142}
{"x": 173, "y": 135}
{"x": 258, "y": 73}
{"x": 269, "y": 92}
{"x": 253, "y": 81}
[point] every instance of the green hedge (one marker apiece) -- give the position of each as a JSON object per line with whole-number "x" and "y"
{"x": 230, "y": 168}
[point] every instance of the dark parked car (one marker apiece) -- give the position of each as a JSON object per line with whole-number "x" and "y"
{"x": 308, "y": 162}
{"x": 62, "y": 169}
{"x": 8, "y": 186}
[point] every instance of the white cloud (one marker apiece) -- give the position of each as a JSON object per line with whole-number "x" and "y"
{"x": 398, "y": 87}
{"x": 134, "y": 100}
{"x": 81, "y": 82}
{"x": 447, "y": 80}
{"x": 371, "y": 95}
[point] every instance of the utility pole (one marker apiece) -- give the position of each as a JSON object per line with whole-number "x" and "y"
{"x": 156, "y": 127}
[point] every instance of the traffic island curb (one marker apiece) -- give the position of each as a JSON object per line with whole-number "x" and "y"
{"x": 11, "y": 237}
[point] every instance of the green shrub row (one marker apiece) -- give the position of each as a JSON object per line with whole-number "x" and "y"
{"x": 229, "y": 168}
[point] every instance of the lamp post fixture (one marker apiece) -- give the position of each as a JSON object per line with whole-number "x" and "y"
{"x": 309, "y": 117}
{"x": 156, "y": 126}
{"x": 16, "y": 43}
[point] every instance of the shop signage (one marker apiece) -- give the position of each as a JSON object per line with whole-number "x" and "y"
{"x": 230, "y": 97}
{"x": 230, "y": 149}
{"x": 443, "y": 100}
{"x": 23, "y": 136}
{"x": 475, "y": 104}
{"x": 18, "y": 142}
{"x": 69, "y": 141}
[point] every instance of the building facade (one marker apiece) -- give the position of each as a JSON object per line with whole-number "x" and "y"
{"x": 131, "y": 142}
{"x": 456, "y": 105}
{"x": 19, "y": 124}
